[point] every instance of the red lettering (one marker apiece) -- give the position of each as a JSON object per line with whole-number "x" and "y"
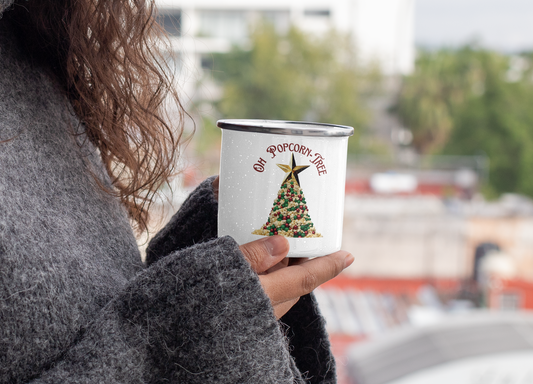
{"x": 271, "y": 150}
{"x": 260, "y": 165}
{"x": 317, "y": 158}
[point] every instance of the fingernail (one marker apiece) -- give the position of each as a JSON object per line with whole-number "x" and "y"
{"x": 348, "y": 260}
{"x": 276, "y": 245}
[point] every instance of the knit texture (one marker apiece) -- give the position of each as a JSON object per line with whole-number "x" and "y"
{"x": 309, "y": 343}
{"x": 182, "y": 319}
{"x": 4, "y": 4}
{"x": 195, "y": 222}
{"x": 76, "y": 303}
{"x": 303, "y": 324}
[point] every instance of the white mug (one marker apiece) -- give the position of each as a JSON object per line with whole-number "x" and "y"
{"x": 283, "y": 178}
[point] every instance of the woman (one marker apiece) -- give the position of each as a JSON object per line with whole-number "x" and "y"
{"x": 83, "y": 146}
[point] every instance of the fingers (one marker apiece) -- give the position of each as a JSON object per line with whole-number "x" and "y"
{"x": 283, "y": 308}
{"x": 298, "y": 260}
{"x": 297, "y": 280}
{"x": 282, "y": 264}
{"x": 264, "y": 253}
{"x": 284, "y": 280}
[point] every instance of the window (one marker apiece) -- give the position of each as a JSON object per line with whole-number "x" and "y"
{"x": 171, "y": 21}
{"x": 509, "y": 301}
{"x": 279, "y": 19}
{"x": 317, "y": 12}
{"x": 231, "y": 25}
{"x": 207, "y": 62}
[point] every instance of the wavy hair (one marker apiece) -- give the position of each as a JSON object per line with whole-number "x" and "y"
{"x": 108, "y": 56}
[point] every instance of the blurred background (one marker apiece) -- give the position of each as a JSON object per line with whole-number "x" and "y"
{"x": 439, "y": 184}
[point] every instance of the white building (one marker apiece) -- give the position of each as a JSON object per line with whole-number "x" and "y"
{"x": 382, "y": 29}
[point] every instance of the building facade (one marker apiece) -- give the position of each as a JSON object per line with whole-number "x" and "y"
{"x": 381, "y": 29}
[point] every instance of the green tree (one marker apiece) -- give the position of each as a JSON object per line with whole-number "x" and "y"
{"x": 469, "y": 101}
{"x": 294, "y": 77}
{"x": 442, "y": 81}
{"x": 497, "y": 120}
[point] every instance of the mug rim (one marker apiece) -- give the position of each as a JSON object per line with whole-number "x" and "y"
{"x": 286, "y": 127}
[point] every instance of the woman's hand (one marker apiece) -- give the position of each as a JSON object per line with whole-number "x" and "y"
{"x": 285, "y": 282}
{"x": 215, "y": 185}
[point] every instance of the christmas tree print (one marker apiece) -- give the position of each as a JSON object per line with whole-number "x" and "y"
{"x": 289, "y": 215}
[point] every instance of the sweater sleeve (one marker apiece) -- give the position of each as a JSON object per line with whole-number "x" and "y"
{"x": 197, "y": 316}
{"x": 309, "y": 342}
{"x": 195, "y": 222}
{"x": 4, "y": 4}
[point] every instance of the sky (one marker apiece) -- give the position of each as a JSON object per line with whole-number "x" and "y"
{"x": 505, "y": 25}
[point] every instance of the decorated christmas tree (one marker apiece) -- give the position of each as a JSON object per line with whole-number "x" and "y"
{"x": 289, "y": 215}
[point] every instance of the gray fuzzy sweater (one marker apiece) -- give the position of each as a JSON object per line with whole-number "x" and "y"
{"x": 77, "y": 305}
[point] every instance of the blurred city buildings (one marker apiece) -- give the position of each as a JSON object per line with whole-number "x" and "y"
{"x": 428, "y": 255}
{"x": 433, "y": 220}
{"x": 478, "y": 348}
{"x": 383, "y": 30}
{"x": 442, "y": 277}
{"x": 413, "y": 331}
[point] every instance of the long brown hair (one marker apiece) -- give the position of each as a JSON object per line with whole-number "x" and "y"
{"x": 109, "y": 58}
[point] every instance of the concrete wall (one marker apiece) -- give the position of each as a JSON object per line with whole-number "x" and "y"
{"x": 514, "y": 235}
{"x": 404, "y": 238}
{"x": 421, "y": 237}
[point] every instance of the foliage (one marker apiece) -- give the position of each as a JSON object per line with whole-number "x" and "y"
{"x": 294, "y": 77}
{"x": 470, "y": 101}
{"x": 441, "y": 82}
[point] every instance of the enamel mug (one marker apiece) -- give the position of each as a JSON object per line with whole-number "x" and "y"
{"x": 283, "y": 178}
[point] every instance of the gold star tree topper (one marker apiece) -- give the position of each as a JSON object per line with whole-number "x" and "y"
{"x": 293, "y": 170}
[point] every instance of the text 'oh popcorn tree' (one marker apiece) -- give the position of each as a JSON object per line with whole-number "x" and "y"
{"x": 289, "y": 215}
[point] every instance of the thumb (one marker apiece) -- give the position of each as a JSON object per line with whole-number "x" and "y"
{"x": 264, "y": 253}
